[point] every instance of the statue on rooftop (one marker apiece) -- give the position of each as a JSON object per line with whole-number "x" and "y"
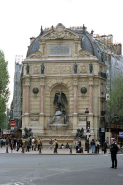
{"x": 75, "y": 68}
{"x": 91, "y": 67}
{"x": 42, "y": 68}
{"x": 27, "y": 69}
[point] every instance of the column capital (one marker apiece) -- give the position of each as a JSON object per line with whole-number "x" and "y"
{"x": 42, "y": 80}
{"x": 91, "y": 79}
{"x": 42, "y": 85}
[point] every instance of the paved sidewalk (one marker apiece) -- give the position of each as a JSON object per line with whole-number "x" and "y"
{"x": 47, "y": 151}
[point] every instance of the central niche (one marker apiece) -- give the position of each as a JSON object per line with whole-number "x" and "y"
{"x": 59, "y": 104}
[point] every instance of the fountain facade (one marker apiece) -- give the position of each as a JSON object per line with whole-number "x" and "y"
{"x": 55, "y": 72}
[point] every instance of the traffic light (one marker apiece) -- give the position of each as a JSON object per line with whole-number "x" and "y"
{"x": 88, "y": 125}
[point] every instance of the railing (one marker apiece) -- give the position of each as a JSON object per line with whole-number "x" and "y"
{"x": 102, "y": 113}
{"x": 103, "y": 75}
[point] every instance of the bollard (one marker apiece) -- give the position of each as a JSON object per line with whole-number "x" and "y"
{"x": 7, "y": 149}
{"x": 70, "y": 150}
{"x": 40, "y": 150}
{"x": 22, "y": 149}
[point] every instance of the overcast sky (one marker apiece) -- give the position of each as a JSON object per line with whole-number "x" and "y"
{"x": 22, "y": 19}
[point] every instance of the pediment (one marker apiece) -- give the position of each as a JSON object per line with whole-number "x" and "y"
{"x": 35, "y": 55}
{"x": 60, "y": 32}
{"x": 84, "y": 53}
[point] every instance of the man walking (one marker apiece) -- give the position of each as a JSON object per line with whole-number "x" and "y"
{"x": 113, "y": 150}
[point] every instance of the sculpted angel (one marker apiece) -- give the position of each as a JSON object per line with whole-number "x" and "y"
{"x": 59, "y": 98}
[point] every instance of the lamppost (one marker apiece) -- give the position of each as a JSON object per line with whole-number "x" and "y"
{"x": 87, "y": 112}
{"x": 116, "y": 119}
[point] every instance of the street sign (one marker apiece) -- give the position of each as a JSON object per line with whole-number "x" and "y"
{"x": 12, "y": 132}
{"x": 12, "y": 124}
{"x": 88, "y": 131}
{"x": 120, "y": 134}
{"x": 88, "y": 134}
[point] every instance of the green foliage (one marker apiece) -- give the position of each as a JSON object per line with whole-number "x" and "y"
{"x": 115, "y": 103}
{"x": 4, "y": 90}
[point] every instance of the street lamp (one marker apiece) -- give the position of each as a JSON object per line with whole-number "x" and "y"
{"x": 87, "y": 112}
{"x": 116, "y": 118}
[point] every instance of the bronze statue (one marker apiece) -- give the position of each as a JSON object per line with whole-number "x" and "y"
{"x": 80, "y": 133}
{"x": 91, "y": 67}
{"x": 27, "y": 69}
{"x": 28, "y": 133}
{"x": 75, "y": 68}
{"x": 42, "y": 68}
{"x": 58, "y": 101}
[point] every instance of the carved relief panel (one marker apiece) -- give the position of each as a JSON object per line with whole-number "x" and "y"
{"x": 60, "y": 69}
{"x": 83, "y": 69}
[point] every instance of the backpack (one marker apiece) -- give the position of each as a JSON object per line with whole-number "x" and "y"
{"x": 39, "y": 142}
{"x": 56, "y": 145}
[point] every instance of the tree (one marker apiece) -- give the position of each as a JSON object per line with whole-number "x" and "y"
{"x": 4, "y": 90}
{"x": 115, "y": 103}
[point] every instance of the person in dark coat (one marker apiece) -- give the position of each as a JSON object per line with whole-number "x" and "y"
{"x": 113, "y": 150}
{"x": 105, "y": 147}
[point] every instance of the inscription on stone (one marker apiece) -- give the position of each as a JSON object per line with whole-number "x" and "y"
{"x": 34, "y": 119}
{"x": 82, "y": 119}
{"x": 56, "y": 50}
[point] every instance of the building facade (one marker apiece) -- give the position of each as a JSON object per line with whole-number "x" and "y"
{"x": 69, "y": 61}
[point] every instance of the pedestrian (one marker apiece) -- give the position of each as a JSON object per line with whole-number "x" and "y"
{"x": 23, "y": 145}
{"x": 18, "y": 144}
{"x": 113, "y": 150}
{"x": 4, "y": 141}
{"x": 12, "y": 143}
{"x": 50, "y": 142}
{"x": 77, "y": 146}
{"x": 28, "y": 144}
{"x": 35, "y": 144}
{"x": 67, "y": 145}
{"x": 7, "y": 143}
{"x": 39, "y": 143}
{"x": 1, "y": 142}
{"x": 54, "y": 145}
{"x": 15, "y": 143}
{"x": 33, "y": 140}
{"x": 98, "y": 146}
{"x": 93, "y": 145}
{"x": 105, "y": 147}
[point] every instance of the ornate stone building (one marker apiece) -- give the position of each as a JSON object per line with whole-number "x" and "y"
{"x": 72, "y": 65}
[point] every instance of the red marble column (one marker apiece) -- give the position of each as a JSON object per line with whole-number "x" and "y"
{"x": 75, "y": 99}
{"x": 90, "y": 99}
{"x": 42, "y": 100}
{"x": 27, "y": 100}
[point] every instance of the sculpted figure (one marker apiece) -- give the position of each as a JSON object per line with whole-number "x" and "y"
{"x": 58, "y": 101}
{"x": 27, "y": 69}
{"x": 75, "y": 68}
{"x": 42, "y": 68}
{"x": 91, "y": 67}
{"x": 28, "y": 133}
{"x": 80, "y": 133}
